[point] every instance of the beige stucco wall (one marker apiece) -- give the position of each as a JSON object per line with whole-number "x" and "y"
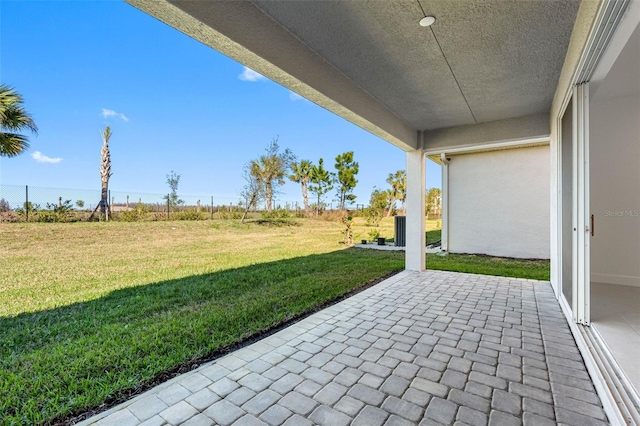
{"x": 499, "y": 203}
{"x": 615, "y": 196}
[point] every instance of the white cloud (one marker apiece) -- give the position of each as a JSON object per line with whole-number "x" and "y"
{"x": 106, "y": 113}
{"x": 250, "y": 75}
{"x": 41, "y": 158}
{"x": 293, "y": 96}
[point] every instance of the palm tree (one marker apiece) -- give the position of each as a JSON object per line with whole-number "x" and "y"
{"x": 398, "y": 182}
{"x": 105, "y": 172}
{"x": 301, "y": 173}
{"x": 13, "y": 118}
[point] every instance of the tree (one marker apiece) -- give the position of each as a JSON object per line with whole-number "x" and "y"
{"x": 377, "y": 203}
{"x": 347, "y": 169}
{"x": 321, "y": 183}
{"x": 432, "y": 200}
{"x": 301, "y": 173}
{"x": 13, "y": 118}
{"x": 173, "y": 179}
{"x": 4, "y": 206}
{"x": 105, "y": 172}
{"x": 253, "y": 191}
{"x": 398, "y": 182}
{"x": 271, "y": 169}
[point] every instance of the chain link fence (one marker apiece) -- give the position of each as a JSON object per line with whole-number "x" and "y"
{"x": 40, "y": 204}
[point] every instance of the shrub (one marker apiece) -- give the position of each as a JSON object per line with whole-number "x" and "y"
{"x": 226, "y": 214}
{"x": 348, "y": 231}
{"x": 137, "y": 214}
{"x": 11, "y": 217}
{"x": 46, "y": 216}
{"x": 54, "y": 213}
{"x": 377, "y": 204}
{"x": 278, "y": 213}
{"x": 188, "y": 215}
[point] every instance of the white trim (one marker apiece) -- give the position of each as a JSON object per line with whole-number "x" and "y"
{"x": 557, "y": 286}
{"x": 632, "y": 395}
{"x": 606, "y": 22}
{"x": 599, "y": 381}
{"x": 444, "y": 235}
{"x": 581, "y": 177}
{"x": 575, "y": 241}
{"x": 609, "y": 16}
{"x": 629, "y": 22}
{"x": 514, "y": 143}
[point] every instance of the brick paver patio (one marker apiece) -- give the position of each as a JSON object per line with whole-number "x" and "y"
{"x": 420, "y": 348}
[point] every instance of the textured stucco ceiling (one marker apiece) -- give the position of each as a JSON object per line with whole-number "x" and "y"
{"x": 370, "y": 62}
{"x": 505, "y": 55}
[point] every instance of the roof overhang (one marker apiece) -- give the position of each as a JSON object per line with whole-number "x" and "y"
{"x": 486, "y": 71}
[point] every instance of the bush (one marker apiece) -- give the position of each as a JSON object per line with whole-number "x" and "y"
{"x": 11, "y": 217}
{"x": 373, "y": 216}
{"x": 348, "y": 230}
{"x": 137, "y": 214}
{"x": 54, "y": 213}
{"x": 278, "y": 213}
{"x": 52, "y": 216}
{"x": 233, "y": 214}
{"x": 188, "y": 215}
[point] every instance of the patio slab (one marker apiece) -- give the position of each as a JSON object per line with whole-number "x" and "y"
{"x": 419, "y": 348}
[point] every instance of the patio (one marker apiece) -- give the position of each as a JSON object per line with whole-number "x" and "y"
{"x": 419, "y": 348}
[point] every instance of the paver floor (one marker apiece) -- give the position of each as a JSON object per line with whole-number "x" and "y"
{"x": 419, "y": 348}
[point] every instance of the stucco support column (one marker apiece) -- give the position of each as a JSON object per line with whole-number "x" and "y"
{"x": 414, "y": 255}
{"x": 444, "y": 206}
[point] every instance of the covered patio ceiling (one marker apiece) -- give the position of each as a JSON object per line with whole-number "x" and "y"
{"x": 484, "y": 71}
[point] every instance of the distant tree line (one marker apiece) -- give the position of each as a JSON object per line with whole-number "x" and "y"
{"x": 266, "y": 174}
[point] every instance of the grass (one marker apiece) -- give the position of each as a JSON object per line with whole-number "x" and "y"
{"x": 487, "y": 265}
{"x": 89, "y": 312}
{"x": 433, "y": 236}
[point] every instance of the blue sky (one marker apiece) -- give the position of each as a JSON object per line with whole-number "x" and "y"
{"x": 172, "y": 104}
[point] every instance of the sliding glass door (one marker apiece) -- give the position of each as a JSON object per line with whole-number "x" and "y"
{"x": 575, "y": 227}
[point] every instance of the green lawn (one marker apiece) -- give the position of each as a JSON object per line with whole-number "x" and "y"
{"x": 91, "y": 311}
{"x": 486, "y": 265}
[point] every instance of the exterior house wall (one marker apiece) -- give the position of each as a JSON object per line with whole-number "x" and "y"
{"x": 499, "y": 203}
{"x": 615, "y": 197}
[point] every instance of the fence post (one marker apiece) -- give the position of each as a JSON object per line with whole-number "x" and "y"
{"x": 26, "y": 203}
{"x": 168, "y": 208}
{"x": 212, "y": 207}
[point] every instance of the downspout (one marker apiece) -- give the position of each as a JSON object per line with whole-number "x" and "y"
{"x": 444, "y": 236}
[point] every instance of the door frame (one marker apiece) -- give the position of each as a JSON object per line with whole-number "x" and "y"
{"x": 578, "y": 308}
